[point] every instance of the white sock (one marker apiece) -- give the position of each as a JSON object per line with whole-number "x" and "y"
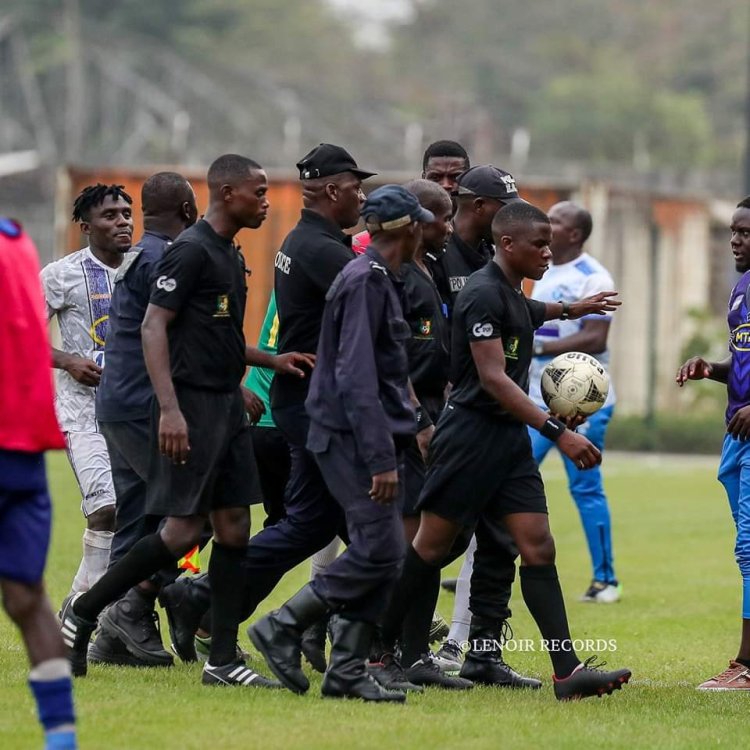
{"x": 52, "y": 669}
{"x": 81, "y": 580}
{"x": 321, "y": 560}
{"x": 461, "y": 620}
{"x": 96, "y": 546}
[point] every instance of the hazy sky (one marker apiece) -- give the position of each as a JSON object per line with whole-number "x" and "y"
{"x": 369, "y": 16}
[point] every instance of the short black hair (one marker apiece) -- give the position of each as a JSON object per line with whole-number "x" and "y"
{"x": 93, "y": 196}
{"x": 744, "y": 203}
{"x": 228, "y": 169}
{"x": 445, "y": 148}
{"x": 515, "y": 213}
{"x": 428, "y": 193}
{"x": 164, "y": 193}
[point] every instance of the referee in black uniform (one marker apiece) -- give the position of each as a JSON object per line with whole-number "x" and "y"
{"x": 482, "y": 471}
{"x": 195, "y": 353}
{"x": 361, "y": 419}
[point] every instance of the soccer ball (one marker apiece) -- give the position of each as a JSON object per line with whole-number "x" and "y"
{"x": 574, "y": 382}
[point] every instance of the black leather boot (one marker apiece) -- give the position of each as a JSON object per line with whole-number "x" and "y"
{"x": 484, "y": 662}
{"x": 347, "y": 676}
{"x": 314, "y": 644}
{"x": 278, "y": 636}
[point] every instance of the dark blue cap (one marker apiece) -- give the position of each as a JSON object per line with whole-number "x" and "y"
{"x": 392, "y": 207}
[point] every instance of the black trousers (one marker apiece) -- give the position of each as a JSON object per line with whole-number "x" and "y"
{"x": 274, "y": 463}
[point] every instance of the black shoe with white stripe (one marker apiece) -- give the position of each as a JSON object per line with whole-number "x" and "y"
{"x": 76, "y": 633}
{"x": 236, "y": 673}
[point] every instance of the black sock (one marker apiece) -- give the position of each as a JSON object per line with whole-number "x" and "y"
{"x": 415, "y": 576}
{"x": 146, "y": 557}
{"x": 225, "y": 574}
{"x": 415, "y": 633}
{"x": 744, "y": 662}
{"x": 541, "y": 592}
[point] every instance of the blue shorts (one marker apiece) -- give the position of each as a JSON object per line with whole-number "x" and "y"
{"x": 25, "y": 516}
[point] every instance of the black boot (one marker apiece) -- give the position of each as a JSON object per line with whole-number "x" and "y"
{"x": 185, "y": 601}
{"x": 314, "y": 644}
{"x": 484, "y": 662}
{"x": 347, "y": 676}
{"x": 278, "y": 636}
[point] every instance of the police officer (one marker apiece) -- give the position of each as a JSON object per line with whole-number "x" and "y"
{"x": 308, "y": 261}
{"x": 361, "y": 419}
{"x": 481, "y": 441}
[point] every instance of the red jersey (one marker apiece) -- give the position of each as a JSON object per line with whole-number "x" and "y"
{"x": 360, "y": 241}
{"x": 27, "y": 418}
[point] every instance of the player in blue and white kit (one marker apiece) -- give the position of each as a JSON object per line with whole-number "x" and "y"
{"x": 734, "y": 469}
{"x": 573, "y": 275}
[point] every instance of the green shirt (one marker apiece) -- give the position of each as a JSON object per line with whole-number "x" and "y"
{"x": 259, "y": 379}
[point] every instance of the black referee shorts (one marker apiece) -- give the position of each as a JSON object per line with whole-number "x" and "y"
{"x": 480, "y": 465}
{"x": 414, "y": 466}
{"x": 220, "y": 471}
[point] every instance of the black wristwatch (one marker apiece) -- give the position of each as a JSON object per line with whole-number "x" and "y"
{"x": 565, "y": 314}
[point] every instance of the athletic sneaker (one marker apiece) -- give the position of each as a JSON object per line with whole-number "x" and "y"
{"x": 735, "y": 677}
{"x": 449, "y": 584}
{"x": 426, "y": 672}
{"x": 438, "y": 628}
{"x": 390, "y": 674}
{"x": 107, "y": 649}
{"x": 234, "y": 674}
{"x": 588, "y": 679}
{"x": 600, "y": 592}
{"x": 203, "y": 649}
{"x": 133, "y": 621}
{"x": 76, "y": 633}
{"x": 449, "y": 657}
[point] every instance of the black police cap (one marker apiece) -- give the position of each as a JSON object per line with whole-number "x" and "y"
{"x": 326, "y": 160}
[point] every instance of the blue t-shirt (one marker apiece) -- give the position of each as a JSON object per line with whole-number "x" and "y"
{"x": 738, "y": 317}
{"x": 125, "y": 391}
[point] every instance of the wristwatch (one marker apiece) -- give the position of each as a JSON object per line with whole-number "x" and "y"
{"x": 565, "y": 314}
{"x": 538, "y": 348}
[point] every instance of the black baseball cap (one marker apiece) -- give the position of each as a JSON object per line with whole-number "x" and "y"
{"x": 392, "y": 207}
{"x": 325, "y": 160}
{"x": 488, "y": 182}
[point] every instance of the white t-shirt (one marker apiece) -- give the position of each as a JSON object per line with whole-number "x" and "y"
{"x": 568, "y": 282}
{"x": 78, "y": 290}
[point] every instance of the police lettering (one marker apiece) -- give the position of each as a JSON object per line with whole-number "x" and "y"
{"x": 457, "y": 283}
{"x": 282, "y": 262}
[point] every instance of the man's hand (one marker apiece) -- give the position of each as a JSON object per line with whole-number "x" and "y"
{"x": 85, "y": 371}
{"x": 696, "y": 368}
{"x": 597, "y": 304}
{"x": 579, "y": 450}
{"x": 254, "y": 407}
{"x": 384, "y": 488}
{"x": 423, "y": 441}
{"x": 173, "y": 436}
{"x": 289, "y": 363}
{"x": 572, "y": 423}
{"x": 739, "y": 424}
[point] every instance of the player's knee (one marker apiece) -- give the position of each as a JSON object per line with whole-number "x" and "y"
{"x": 102, "y": 519}
{"x": 232, "y": 527}
{"x": 538, "y": 551}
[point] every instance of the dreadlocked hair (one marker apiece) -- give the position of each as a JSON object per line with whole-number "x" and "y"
{"x": 93, "y": 196}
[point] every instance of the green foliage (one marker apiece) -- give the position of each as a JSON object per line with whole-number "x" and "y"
{"x": 668, "y": 433}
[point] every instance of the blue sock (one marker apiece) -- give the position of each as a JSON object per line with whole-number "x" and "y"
{"x": 54, "y": 700}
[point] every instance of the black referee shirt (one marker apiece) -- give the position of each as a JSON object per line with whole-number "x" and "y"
{"x": 456, "y": 264}
{"x": 308, "y": 261}
{"x": 202, "y": 278}
{"x": 489, "y": 307}
{"x": 428, "y": 346}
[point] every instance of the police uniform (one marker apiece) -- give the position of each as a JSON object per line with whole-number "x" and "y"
{"x": 477, "y": 444}
{"x": 361, "y": 420}
{"x": 456, "y": 264}
{"x": 429, "y": 359}
{"x": 309, "y": 259}
{"x": 202, "y": 278}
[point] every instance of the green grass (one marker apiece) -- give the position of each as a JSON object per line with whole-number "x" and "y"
{"x": 678, "y": 624}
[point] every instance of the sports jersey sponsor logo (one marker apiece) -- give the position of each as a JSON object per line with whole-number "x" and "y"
{"x": 511, "y": 347}
{"x": 222, "y": 306}
{"x": 740, "y": 338}
{"x": 482, "y": 329}
{"x": 283, "y": 262}
{"x": 165, "y": 283}
{"x": 457, "y": 283}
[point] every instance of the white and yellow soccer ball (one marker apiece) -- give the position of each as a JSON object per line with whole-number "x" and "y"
{"x": 574, "y": 383}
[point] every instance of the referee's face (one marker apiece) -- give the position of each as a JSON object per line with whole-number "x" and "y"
{"x": 249, "y": 204}
{"x": 529, "y": 254}
{"x": 740, "y": 239}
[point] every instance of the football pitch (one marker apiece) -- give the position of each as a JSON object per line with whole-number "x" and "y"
{"x": 678, "y": 624}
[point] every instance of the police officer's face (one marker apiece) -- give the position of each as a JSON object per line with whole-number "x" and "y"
{"x": 529, "y": 253}
{"x": 110, "y": 225}
{"x": 436, "y": 233}
{"x": 349, "y": 199}
{"x": 445, "y": 170}
{"x": 565, "y": 232}
{"x": 740, "y": 239}
{"x": 249, "y": 200}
